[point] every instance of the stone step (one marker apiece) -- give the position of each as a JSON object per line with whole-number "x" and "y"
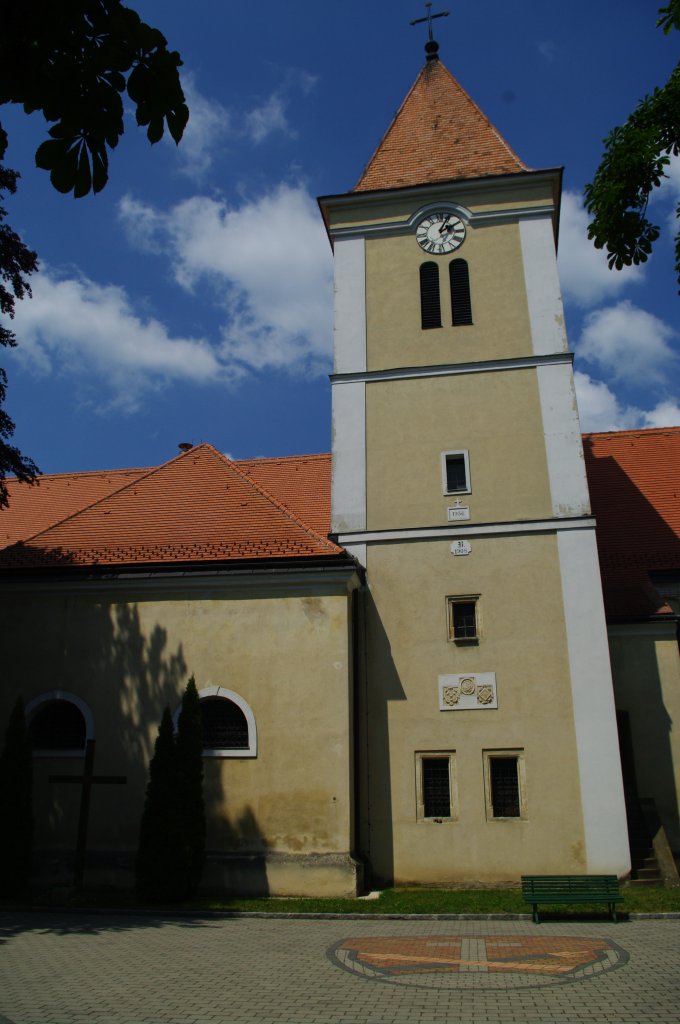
{"x": 648, "y": 873}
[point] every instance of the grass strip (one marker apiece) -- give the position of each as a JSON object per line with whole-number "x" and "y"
{"x": 390, "y": 901}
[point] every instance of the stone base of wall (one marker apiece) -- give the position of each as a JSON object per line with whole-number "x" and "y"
{"x": 281, "y": 874}
{"x": 230, "y": 874}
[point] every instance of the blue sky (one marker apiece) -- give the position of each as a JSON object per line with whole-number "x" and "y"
{"x": 192, "y": 299}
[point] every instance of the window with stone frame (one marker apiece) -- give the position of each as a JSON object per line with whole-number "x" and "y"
{"x": 435, "y": 786}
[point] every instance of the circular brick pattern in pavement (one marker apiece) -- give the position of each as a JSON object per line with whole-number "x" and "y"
{"x": 477, "y": 962}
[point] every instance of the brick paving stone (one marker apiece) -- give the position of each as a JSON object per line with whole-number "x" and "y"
{"x": 123, "y": 969}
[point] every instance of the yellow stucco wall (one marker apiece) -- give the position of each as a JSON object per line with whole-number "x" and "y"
{"x": 410, "y": 422}
{"x": 646, "y": 672}
{"x": 286, "y": 654}
{"x": 518, "y": 580}
{"x": 500, "y": 328}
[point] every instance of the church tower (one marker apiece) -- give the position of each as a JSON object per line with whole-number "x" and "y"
{"x": 487, "y": 744}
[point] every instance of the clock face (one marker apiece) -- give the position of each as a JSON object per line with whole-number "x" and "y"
{"x": 440, "y": 232}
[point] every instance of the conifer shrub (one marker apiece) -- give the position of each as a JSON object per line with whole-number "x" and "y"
{"x": 158, "y": 852}
{"x": 190, "y": 808}
{"x": 16, "y": 805}
{"x": 171, "y": 849}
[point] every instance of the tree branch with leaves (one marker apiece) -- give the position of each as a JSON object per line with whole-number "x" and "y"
{"x": 634, "y": 163}
{"x": 75, "y": 62}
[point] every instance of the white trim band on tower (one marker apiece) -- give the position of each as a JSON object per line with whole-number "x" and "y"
{"x": 453, "y": 369}
{"x": 466, "y": 529}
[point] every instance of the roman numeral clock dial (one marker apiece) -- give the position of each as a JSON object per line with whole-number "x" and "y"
{"x": 440, "y": 232}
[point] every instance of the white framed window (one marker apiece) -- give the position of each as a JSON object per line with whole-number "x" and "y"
{"x": 436, "y": 797}
{"x": 463, "y": 623}
{"x": 227, "y": 722}
{"x": 505, "y": 785}
{"x": 455, "y": 467}
{"x": 59, "y": 724}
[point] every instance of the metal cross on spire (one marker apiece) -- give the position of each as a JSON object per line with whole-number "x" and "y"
{"x": 431, "y": 46}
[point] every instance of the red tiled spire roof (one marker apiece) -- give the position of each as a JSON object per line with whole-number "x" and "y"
{"x": 438, "y": 134}
{"x": 634, "y": 480}
{"x": 198, "y": 507}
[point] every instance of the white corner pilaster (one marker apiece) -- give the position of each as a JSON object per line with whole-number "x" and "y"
{"x": 546, "y": 315}
{"x": 563, "y": 444}
{"x": 597, "y": 744}
{"x": 348, "y": 486}
{"x": 349, "y": 306}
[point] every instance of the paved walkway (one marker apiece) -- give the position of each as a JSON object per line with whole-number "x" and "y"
{"x": 119, "y": 969}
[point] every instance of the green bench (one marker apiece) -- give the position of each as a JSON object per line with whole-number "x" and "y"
{"x": 571, "y": 889}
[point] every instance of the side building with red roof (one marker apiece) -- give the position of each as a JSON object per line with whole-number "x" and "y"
{"x": 116, "y": 588}
{"x": 634, "y": 480}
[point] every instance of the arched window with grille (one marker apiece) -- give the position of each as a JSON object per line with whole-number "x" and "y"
{"x": 227, "y": 723}
{"x": 59, "y": 724}
{"x": 461, "y": 306}
{"x": 430, "y": 306}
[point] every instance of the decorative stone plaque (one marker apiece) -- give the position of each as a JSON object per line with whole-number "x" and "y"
{"x": 461, "y": 547}
{"x": 458, "y": 513}
{"x": 468, "y": 691}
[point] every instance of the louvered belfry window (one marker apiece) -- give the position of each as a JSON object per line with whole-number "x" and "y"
{"x": 461, "y": 306}
{"x": 430, "y": 307}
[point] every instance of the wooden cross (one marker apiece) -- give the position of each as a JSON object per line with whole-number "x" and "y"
{"x": 429, "y": 18}
{"x": 86, "y": 780}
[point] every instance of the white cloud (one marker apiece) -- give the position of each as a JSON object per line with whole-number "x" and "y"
{"x": 586, "y": 279}
{"x": 629, "y": 344}
{"x": 269, "y": 264}
{"x": 665, "y": 414}
{"x": 601, "y": 410}
{"x": 209, "y": 125}
{"x": 85, "y": 329}
{"x": 268, "y": 118}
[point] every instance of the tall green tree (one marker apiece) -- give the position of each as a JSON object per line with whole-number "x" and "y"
{"x": 17, "y": 261}
{"x": 635, "y": 159}
{"x": 16, "y": 805}
{"x": 76, "y": 62}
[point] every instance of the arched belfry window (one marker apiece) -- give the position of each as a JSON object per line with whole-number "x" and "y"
{"x": 461, "y": 306}
{"x": 59, "y": 724}
{"x": 430, "y": 306}
{"x": 227, "y": 724}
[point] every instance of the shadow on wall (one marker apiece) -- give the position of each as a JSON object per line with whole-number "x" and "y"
{"x": 77, "y": 638}
{"x": 237, "y": 863}
{"x": 381, "y": 686}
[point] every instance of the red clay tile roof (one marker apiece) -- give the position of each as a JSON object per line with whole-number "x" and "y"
{"x": 52, "y": 498}
{"x": 438, "y": 134}
{"x": 301, "y": 482}
{"x": 634, "y": 479}
{"x": 198, "y": 507}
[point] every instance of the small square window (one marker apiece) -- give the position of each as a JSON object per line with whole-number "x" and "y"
{"x": 455, "y": 472}
{"x": 434, "y": 784}
{"x": 504, "y": 784}
{"x": 463, "y": 619}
